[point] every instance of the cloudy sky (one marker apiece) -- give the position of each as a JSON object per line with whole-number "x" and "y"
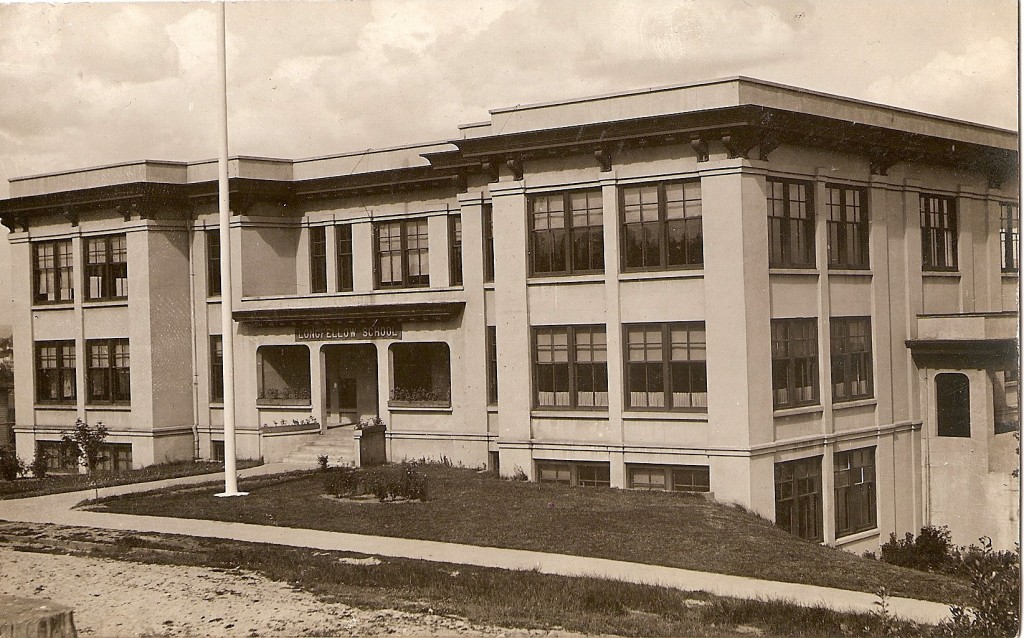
{"x": 89, "y": 84}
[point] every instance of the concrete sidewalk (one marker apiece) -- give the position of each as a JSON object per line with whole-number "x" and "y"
{"x": 57, "y": 509}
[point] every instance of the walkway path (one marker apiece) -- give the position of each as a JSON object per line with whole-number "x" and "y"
{"x": 57, "y": 509}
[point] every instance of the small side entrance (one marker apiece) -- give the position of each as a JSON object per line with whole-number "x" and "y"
{"x": 350, "y": 380}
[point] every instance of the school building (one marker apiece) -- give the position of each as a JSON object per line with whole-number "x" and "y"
{"x": 802, "y": 303}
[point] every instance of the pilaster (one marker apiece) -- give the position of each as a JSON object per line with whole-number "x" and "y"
{"x": 438, "y": 251}
{"x": 474, "y": 320}
{"x": 613, "y": 324}
{"x": 331, "y": 237}
{"x": 362, "y": 253}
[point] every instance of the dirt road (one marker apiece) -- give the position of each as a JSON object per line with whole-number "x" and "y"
{"x": 113, "y": 598}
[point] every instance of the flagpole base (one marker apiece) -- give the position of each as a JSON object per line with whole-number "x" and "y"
{"x": 225, "y": 494}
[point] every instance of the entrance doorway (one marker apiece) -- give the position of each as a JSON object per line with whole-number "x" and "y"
{"x": 350, "y": 383}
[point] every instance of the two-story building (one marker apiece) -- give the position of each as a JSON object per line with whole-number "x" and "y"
{"x": 798, "y": 302}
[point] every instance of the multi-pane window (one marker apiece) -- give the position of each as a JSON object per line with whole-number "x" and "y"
{"x": 488, "y": 220}
{"x": 318, "y": 259}
{"x": 794, "y": 362}
{"x": 577, "y": 474}
{"x": 106, "y": 268}
{"x": 566, "y": 233}
{"x": 402, "y": 260}
{"x": 108, "y": 371}
{"x": 213, "y": 263}
{"x": 1009, "y": 237}
{"x": 455, "y": 252}
{"x": 114, "y": 457}
{"x": 343, "y": 236}
{"x": 216, "y": 368}
{"x": 661, "y": 226}
{"x": 492, "y": 365}
{"x": 570, "y": 366}
{"x": 58, "y": 456}
{"x": 847, "y": 227}
{"x": 282, "y": 375}
{"x": 938, "y": 233}
{"x": 851, "y": 358}
{"x": 674, "y": 478}
{"x": 798, "y": 497}
{"x": 790, "y": 224}
{"x": 52, "y": 272}
{"x": 666, "y": 366}
{"x": 55, "y": 372}
{"x": 854, "y": 473}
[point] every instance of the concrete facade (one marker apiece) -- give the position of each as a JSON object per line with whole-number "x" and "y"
{"x": 732, "y": 137}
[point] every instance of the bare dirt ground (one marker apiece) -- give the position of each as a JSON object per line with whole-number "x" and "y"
{"x": 115, "y": 598}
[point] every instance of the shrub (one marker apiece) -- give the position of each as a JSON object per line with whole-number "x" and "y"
{"x": 86, "y": 441}
{"x": 10, "y": 465}
{"x": 342, "y": 481}
{"x": 38, "y": 464}
{"x": 995, "y": 579}
{"x": 386, "y": 483}
{"x": 321, "y": 462}
{"x": 928, "y": 552}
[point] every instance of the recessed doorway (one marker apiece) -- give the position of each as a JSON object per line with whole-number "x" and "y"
{"x": 350, "y": 383}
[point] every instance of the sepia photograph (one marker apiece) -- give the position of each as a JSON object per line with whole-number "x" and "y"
{"x": 510, "y": 318}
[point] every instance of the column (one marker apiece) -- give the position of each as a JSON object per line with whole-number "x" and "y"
{"x": 473, "y": 366}
{"x": 824, "y": 303}
{"x": 363, "y": 257}
{"x": 438, "y": 249}
{"x": 881, "y": 317}
{"x": 613, "y": 325}
{"x": 331, "y": 237}
{"x": 513, "y": 326}
{"x": 970, "y": 224}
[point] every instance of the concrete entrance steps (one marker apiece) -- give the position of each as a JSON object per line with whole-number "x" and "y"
{"x": 336, "y": 443}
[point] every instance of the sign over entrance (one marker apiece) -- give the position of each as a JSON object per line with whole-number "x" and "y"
{"x": 348, "y": 331}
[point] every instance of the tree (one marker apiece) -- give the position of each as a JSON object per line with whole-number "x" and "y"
{"x": 86, "y": 442}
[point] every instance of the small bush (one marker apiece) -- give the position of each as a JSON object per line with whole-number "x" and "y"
{"x": 519, "y": 475}
{"x": 321, "y": 462}
{"x": 387, "y": 483}
{"x": 38, "y": 464}
{"x": 995, "y": 578}
{"x": 342, "y": 481}
{"x": 930, "y": 551}
{"x": 10, "y": 465}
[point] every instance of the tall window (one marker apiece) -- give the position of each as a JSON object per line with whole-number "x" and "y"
{"x": 52, "y": 272}
{"x": 953, "y": 404}
{"x": 216, "y": 369}
{"x": 213, "y": 263}
{"x": 938, "y": 233}
{"x": 421, "y": 373}
{"x": 55, "y": 372}
{"x": 106, "y": 268}
{"x": 570, "y": 367}
{"x": 798, "y": 497}
{"x": 108, "y": 371}
{"x": 1009, "y": 236}
{"x": 855, "y": 491}
{"x": 566, "y": 233}
{"x": 847, "y": 227}
{"x": 794, "y": 362}
{"x": 343, "y": 236}
{"x": 317, "y": 259}
{"x": 661, "y": 226}
{"x": 455, "y": 253}
{"x": 851, "y": 358}
{"x": 492, "y": 365}
{"x": 402, "y": 254}
{"x": 790, "y": 224}
{"x": 488, "y": 219}
{"x": 666, "y": 367}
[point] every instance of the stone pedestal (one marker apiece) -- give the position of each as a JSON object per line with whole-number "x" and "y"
{"x": 25, "y": 618}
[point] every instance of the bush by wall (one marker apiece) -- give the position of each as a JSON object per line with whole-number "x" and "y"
{"x": 930, "y": 551}
{"x": 10, "y": 465}
{"x": 387, "y": 482}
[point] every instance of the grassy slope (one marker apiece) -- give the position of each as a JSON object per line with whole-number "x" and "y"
{"x": 661, "y": 528}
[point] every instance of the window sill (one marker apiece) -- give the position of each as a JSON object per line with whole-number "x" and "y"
{"x": 665, "y": 415}
{"x": 807, "y": 272}
{"x": 857, "y": 536}
{"x": 113, "y": 407}
{"x": 106, "y": 303}
{"x": 422, "y": 407}
{"x": 951, "y": 274}
{"x": 856, "y": 403}
{"x": 688, "y": 273}
{"x": 851, "y": 272}
{"x": 541, "y": 280}
{"x": 569, "y": 413}
{"x": 62, "y": 305}
{"x": 802, "y": 409}
{"x": 60, "y": 407}
{"x": 492, "y": 409}
{"x": 1010, "y": 274}
{"x": 261, "y": 405}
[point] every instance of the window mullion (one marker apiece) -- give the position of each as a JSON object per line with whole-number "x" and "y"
{"x": 570, "y": 341}
{"x": 662, "y": 227}
{"x": 403, "y": 243}
{"x": 567, "y": 264}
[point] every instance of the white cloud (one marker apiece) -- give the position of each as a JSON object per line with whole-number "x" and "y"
{"x": 974, "y": 84}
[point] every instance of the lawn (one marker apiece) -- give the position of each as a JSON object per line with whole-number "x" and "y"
{"x": 60, "y": 483}
{"x": 466, "y": 506}
{"x": 488, "y": 596}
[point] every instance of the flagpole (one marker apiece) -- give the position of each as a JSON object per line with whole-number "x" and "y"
{"x": 226, "y": 296}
